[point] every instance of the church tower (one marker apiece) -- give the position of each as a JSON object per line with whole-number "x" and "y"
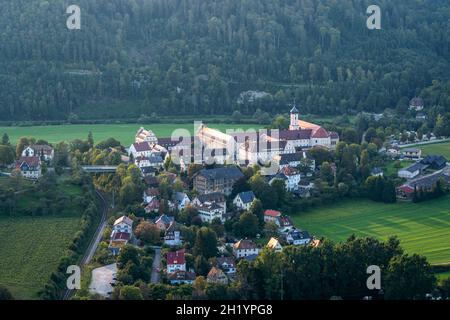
{"x": 294, "y": 119}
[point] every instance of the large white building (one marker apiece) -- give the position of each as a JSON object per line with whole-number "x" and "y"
{"x": 254, "y": 147}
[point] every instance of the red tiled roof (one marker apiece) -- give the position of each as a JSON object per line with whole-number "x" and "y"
{"x": 121, "y": 236}
{"x": 302, "y": 134}
{"x": 406, "y": 189}
{"x": 320, "y": 133}
{"x": 142, "y": 146}
{"x": 30, "y": 161}
{"x": 272, "y": 213}
{"x": 244, "y": 244}
{"x": 176, "y": 257}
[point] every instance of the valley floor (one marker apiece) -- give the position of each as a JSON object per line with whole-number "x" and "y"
{"x": 422, "y": 228}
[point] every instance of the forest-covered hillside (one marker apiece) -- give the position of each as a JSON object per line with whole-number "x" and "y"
{"x": 134, "y": 57}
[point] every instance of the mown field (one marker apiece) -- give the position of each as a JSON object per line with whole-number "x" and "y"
{"x": 31, "y": 247}
{"x": 122, "y": 132}
{"x": 422, "y": 228}
{"x": 437, "y": 148}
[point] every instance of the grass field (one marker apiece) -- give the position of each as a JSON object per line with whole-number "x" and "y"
{"x": 422, "y": 228}
{"x": 122, "y": 132}
{"x": 443, "y": 276}
{"x": 437, "y": 148}
{"x": 31, "y": 247}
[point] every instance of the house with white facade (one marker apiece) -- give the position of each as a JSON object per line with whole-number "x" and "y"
{"x": 244, "y": 200}
{"x": 412, "y": 171}
{"x": 209, "y": 211}
{"x": 271, "y": 215}
{"x": 29, "y": 167}
{"x": 176, "y": 261}
{"x": 245, "y": 248}
{"x": 227, "y": 264}
{"x": 180, "y": 200}
{"x": 123, "y": 224}
{"x": 44, "y": 152}
{"x": 172, "y": 235}
{"x": 274, "y": 245}
{"x": 298, "y": 237}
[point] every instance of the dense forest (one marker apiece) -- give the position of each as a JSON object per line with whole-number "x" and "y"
{"x": 195, "y": 57}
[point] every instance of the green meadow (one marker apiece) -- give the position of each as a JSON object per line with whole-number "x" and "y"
{"x": 422, "y": 228}
{"x": 122, "y": 132}
{"x": 437, "y": 148}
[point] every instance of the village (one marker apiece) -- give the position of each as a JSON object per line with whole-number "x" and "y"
{"x": 197, "y": 213}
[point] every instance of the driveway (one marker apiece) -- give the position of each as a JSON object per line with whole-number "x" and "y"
{"x": 156, "y": 265}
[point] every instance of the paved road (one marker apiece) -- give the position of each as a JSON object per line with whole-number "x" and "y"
{"x": 156, "y": 265}
{"x": 87, "y": 257}
{"x": 422, "y": 143}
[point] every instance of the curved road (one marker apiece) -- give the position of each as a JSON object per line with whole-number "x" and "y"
{"x": 87, "y": 257}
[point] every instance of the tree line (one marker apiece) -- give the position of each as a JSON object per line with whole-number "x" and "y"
{"x": 138, "y": 57}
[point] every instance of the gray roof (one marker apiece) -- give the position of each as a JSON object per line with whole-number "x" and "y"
{"x": 415, "y": 166}
{"x": 231, "y": 172}
{"x": 212, "y": 197}
{"x": 165, "y": 219}
{"x": 436, "y": 161}
{"x": 178, "y": 196}
{"x": 294, "y": 109}
{"x": 299, "y": 235}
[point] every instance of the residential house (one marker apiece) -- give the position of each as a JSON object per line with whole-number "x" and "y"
{"x": 30, "y": 167}
{"x": 394, "y": 151}
{"x": 416, "y": 104}
{"x": 172, "y": 235}
{"x": 284, "y": 224}
{"x": 293, "y": 178}
{"x": 271, "y": 215}
{"x": 298, "y": 237}
{"x": 435, "y": 162}
{"x": 150, "y": 194}
{"x": 149, "y": 171}
{"x": 377, "y": 172}
{"x": 244, "y": 200}
{"x": 163, "y": 222}
{"x": 152, "y": 206}
{"x": 44, "y": 152}
{"x": 181, "y": 277}
{"x": 412, "y": 171}
{"x": 274, "y": 245}
{"x": 123, "y": 224}
{"x": 217, "y": 180}
{"x": 217, "y": 276}
{"x": 412, "y": 153}
{"x": 121, "y": 234}
{"x": 209, "y": 211}
{"x": 180, "y": 200}
{"x": 176, "y": 261}
{"x": 227, "y": 264}
{"x": 140, "y": 149}
{"x": 219, "y": 198}
{"x": 244, "y": 248}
